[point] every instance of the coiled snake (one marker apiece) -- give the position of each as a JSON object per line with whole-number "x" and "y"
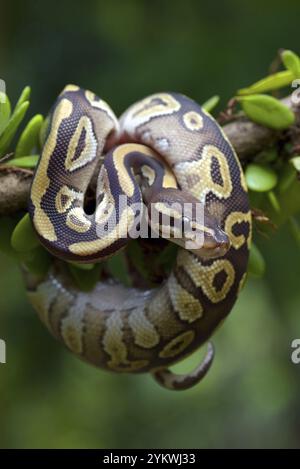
{"x": 179, "y": 154}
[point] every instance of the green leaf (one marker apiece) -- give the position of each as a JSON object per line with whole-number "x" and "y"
{"x": 37, "y": 261}
{"x": 12, "y": 127}
{"x": 117, "y": 266}
{"x": 44, "y": 131}
{"x": 23, "y": 162}
{"x": 294, "y": 229}
{"x": 295, "y": 162}
{"x": 29, "y": 139}
{"x": 286, "y": 177}
{"x": 24, "y": 238}
{"x": 260, "y": 178}
{"x": 269, "y": 83}
{"x": 7, "y": 226}
{"x": 211, "y": 103}
{"x": 266, "y": 156}
{"x": 83, "y": 266}
{"x": 85, "y": 279}
{"x": 256, "y": 265}
{"x": 5, "y": 111}
{"x": 291, "y": 61}
{"x": 136, "y": 256}
{"x": 268, "y": 111}
{"x": 24, "y": 96}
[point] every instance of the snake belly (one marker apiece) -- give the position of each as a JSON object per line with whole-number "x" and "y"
{"x": 126, "y": 329}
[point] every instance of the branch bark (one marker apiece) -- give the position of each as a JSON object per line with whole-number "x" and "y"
{"x": 249, "y": 138}
{"x": 246, "y": 137}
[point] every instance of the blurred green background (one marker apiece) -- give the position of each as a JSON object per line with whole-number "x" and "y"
{"x": 124, "y": 50}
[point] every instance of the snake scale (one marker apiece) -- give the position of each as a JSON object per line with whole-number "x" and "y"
{"x": 178, "y": 152}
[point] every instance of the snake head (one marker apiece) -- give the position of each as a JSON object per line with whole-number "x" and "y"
{"x": 179, "y": 217}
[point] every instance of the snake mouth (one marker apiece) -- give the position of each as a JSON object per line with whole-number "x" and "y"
{"x": 212, "y": 246}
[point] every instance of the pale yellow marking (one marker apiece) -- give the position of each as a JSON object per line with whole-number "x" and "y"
{"x": 85, "y": 248}
{"x": 242, "y": 176}
{"x": 104, "y": 210}
{"x": 147, "y": 108}
{"x": 69, "y": 195}
{"x": 148, "y": 173}
{"x": 70, "y": 88}
{"x": 208, "y": 288}
{"x": 119, "y": 156}
{"x": 89, "y": 151}
{"x": 106, "y": 207}
{"x": 41, "y": 181}
{"x": 77, "y": 221}
{"x": 113, "y": 339}
{"x": 169, "y": 179}
{"x": 168, "y": 211}
{"x": 193, "y": 121}
{"x": 41, "y": 300}
{"x": 72, "y": 334}
{"x": 178, "y": 345}
{"x": 145, "y": 334}
{"x": 201, "y": 185}
{"x": 102, "y": 106}
{"x": 238, "y": 217}
{"x": 125, "y": 181}
{"x": 199, "y": 227}
{"x": 203, "y": 276}
{"x": 130, "y": 366}
{"x": 242, "y": 283}
{"x": 115, "y": 347}
{"x": 186, "y": 306}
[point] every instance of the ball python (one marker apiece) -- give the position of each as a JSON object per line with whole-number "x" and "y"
{"x": 179, "y": 154}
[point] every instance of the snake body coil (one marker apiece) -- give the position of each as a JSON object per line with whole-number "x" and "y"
{"x": 127, "y": 329}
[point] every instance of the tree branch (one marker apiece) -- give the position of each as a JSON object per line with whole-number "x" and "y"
{"x": 249, "y": 138}
{"x": 246, "y": 137}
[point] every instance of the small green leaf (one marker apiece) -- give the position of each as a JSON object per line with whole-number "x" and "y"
{"x": 136, "y": 256}
{"x": 274, "y": 201}
{"x": 12, "y": 127}
{"x": 117, "y": 266}
{"x": 268, "y": 111}
{"x": 260, "y": 178}
{"x": 266, "y": 156}
{"x": 211, "y": 103}
{"x": 295, "y": 162}
{"x": 5, "y": 111}
{"x": 23, "y": 162}
{"x": 256, "y": 265}
{"x": 24, "y": 96}
{"x": 294, "y": 229}
{"x": 29, "y": 139}
{"x": 85, "y": 279}
{"x": 37, "y": 261}
{"x": 44, "y": 131}
{"x": 291, "y": 61}
{"x": 270, "y": 83}
{"x": 7, "y": 226}
{"x": 83, "y": 266}
{"x": 24, "y": 238}
{"x": 286, "y": 178}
